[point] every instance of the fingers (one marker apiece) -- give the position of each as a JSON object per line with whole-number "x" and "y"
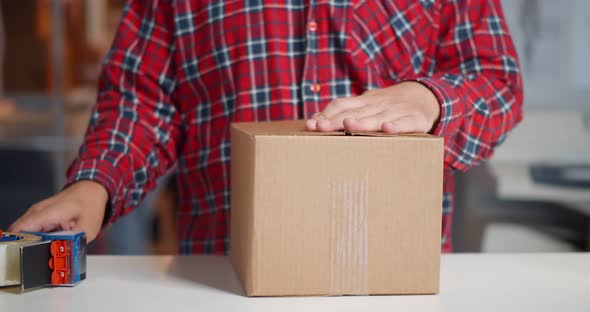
{"x": 80, "y": 207}
{"x": 388, "y": 121}
{"x": 311, "y": 124}
{"x": 333, "y": 112}
{"x": 406, "y": 124}
{"x": 370, "y": 119}
{"x": 62, "y": 216}
{"x": 43, "y": 219}
{"x": 88, "y": 225}
{"x": 324, "y": 122}
{"x": 340, "y": 105}
{"x": 400, "y": 108}
{"x": 36, "y": 221}
{"x": 22, "y": 223}
{"x": 337, "y": 122}
{"x": 373, "y": 122}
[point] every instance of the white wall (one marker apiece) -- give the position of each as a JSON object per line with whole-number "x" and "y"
{"x": 553, "y": 41}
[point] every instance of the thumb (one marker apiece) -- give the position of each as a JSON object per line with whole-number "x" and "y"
{"x": 88, "y": 225}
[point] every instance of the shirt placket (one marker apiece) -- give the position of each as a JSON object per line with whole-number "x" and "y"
{"x": 311, "y": 85}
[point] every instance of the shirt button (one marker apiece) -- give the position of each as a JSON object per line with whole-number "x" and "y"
{"x": 312, "y": 26}
{"x": 315, "y": 88}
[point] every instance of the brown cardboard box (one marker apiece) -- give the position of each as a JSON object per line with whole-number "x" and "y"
{"x": 331, "y": 214}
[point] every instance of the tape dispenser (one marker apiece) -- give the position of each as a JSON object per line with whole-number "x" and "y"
{"x": 34, "y": 260}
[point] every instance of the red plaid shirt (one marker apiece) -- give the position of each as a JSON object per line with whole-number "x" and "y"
{"x": 180, "y": 72}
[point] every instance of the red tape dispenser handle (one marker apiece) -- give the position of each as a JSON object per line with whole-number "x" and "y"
{"x": 61, "y": 254}
{"x": 58, "y": 259}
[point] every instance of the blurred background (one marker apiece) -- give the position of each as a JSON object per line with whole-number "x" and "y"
{"x": 534, "y": 196}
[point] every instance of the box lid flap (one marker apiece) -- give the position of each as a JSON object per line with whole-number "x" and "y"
{"x": 297, "y": 128}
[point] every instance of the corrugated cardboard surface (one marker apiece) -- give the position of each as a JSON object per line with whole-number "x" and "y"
{"x": 328, "y": 214}
{"x": 242, "y": 153}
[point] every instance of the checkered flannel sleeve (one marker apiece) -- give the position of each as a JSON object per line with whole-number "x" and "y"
{"x": 134, "y": 127}
{"x": 477, "y": 81}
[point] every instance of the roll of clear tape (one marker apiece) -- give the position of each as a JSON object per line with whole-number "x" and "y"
{"x": 10, "y": 256}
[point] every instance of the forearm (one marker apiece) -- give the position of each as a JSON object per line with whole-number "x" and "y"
{"x": 476, "y": 80}
{"x": 134, "y": 130}
{"x": 476, "y": 114}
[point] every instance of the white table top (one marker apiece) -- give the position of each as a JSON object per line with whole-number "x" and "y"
{"x": 469, "y": 282}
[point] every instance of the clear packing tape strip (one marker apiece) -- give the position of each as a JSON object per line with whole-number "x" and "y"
{"x": 10, "y": 244}
{"x": 349, "y": 236}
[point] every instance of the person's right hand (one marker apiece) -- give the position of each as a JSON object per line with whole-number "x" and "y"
{"x": 80, "y": 207}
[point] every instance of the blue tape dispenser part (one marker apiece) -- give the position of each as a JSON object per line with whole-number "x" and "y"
{"x": 34, "y": 260}
{"x": 68, "y": 257}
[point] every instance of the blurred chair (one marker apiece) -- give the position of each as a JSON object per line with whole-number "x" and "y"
{"x": 538, "y": 180}
{"x": 478, "y": 209}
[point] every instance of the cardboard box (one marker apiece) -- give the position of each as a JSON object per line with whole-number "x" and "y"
{"x": 334, "y": 214}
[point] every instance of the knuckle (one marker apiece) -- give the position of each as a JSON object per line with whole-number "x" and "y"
{"x": 355, "y": 111}
{"x": 386, "y": 103}
{"x": 387, "y": 115}
{"x": 389, "y": 111}
{"x": 339, "y": 102}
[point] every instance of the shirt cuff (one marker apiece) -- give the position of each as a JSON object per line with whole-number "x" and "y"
{"x": 102, "y": 172}
{"x": 451, "y": 109}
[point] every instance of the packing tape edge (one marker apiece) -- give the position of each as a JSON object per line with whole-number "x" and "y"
{"x": 10, "y": 257}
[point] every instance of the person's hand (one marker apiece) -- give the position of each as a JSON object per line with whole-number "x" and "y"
{"x": 80, "y": 207}
{"x": 402, "y": 108}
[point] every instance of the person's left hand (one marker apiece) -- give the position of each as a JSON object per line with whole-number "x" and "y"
{"x": 402, "y": 108}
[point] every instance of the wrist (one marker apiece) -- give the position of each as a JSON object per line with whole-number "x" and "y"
{"x": 94, "y": 190}
{"x": 94, "y": 195}
{"x": 422, "y": 95}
